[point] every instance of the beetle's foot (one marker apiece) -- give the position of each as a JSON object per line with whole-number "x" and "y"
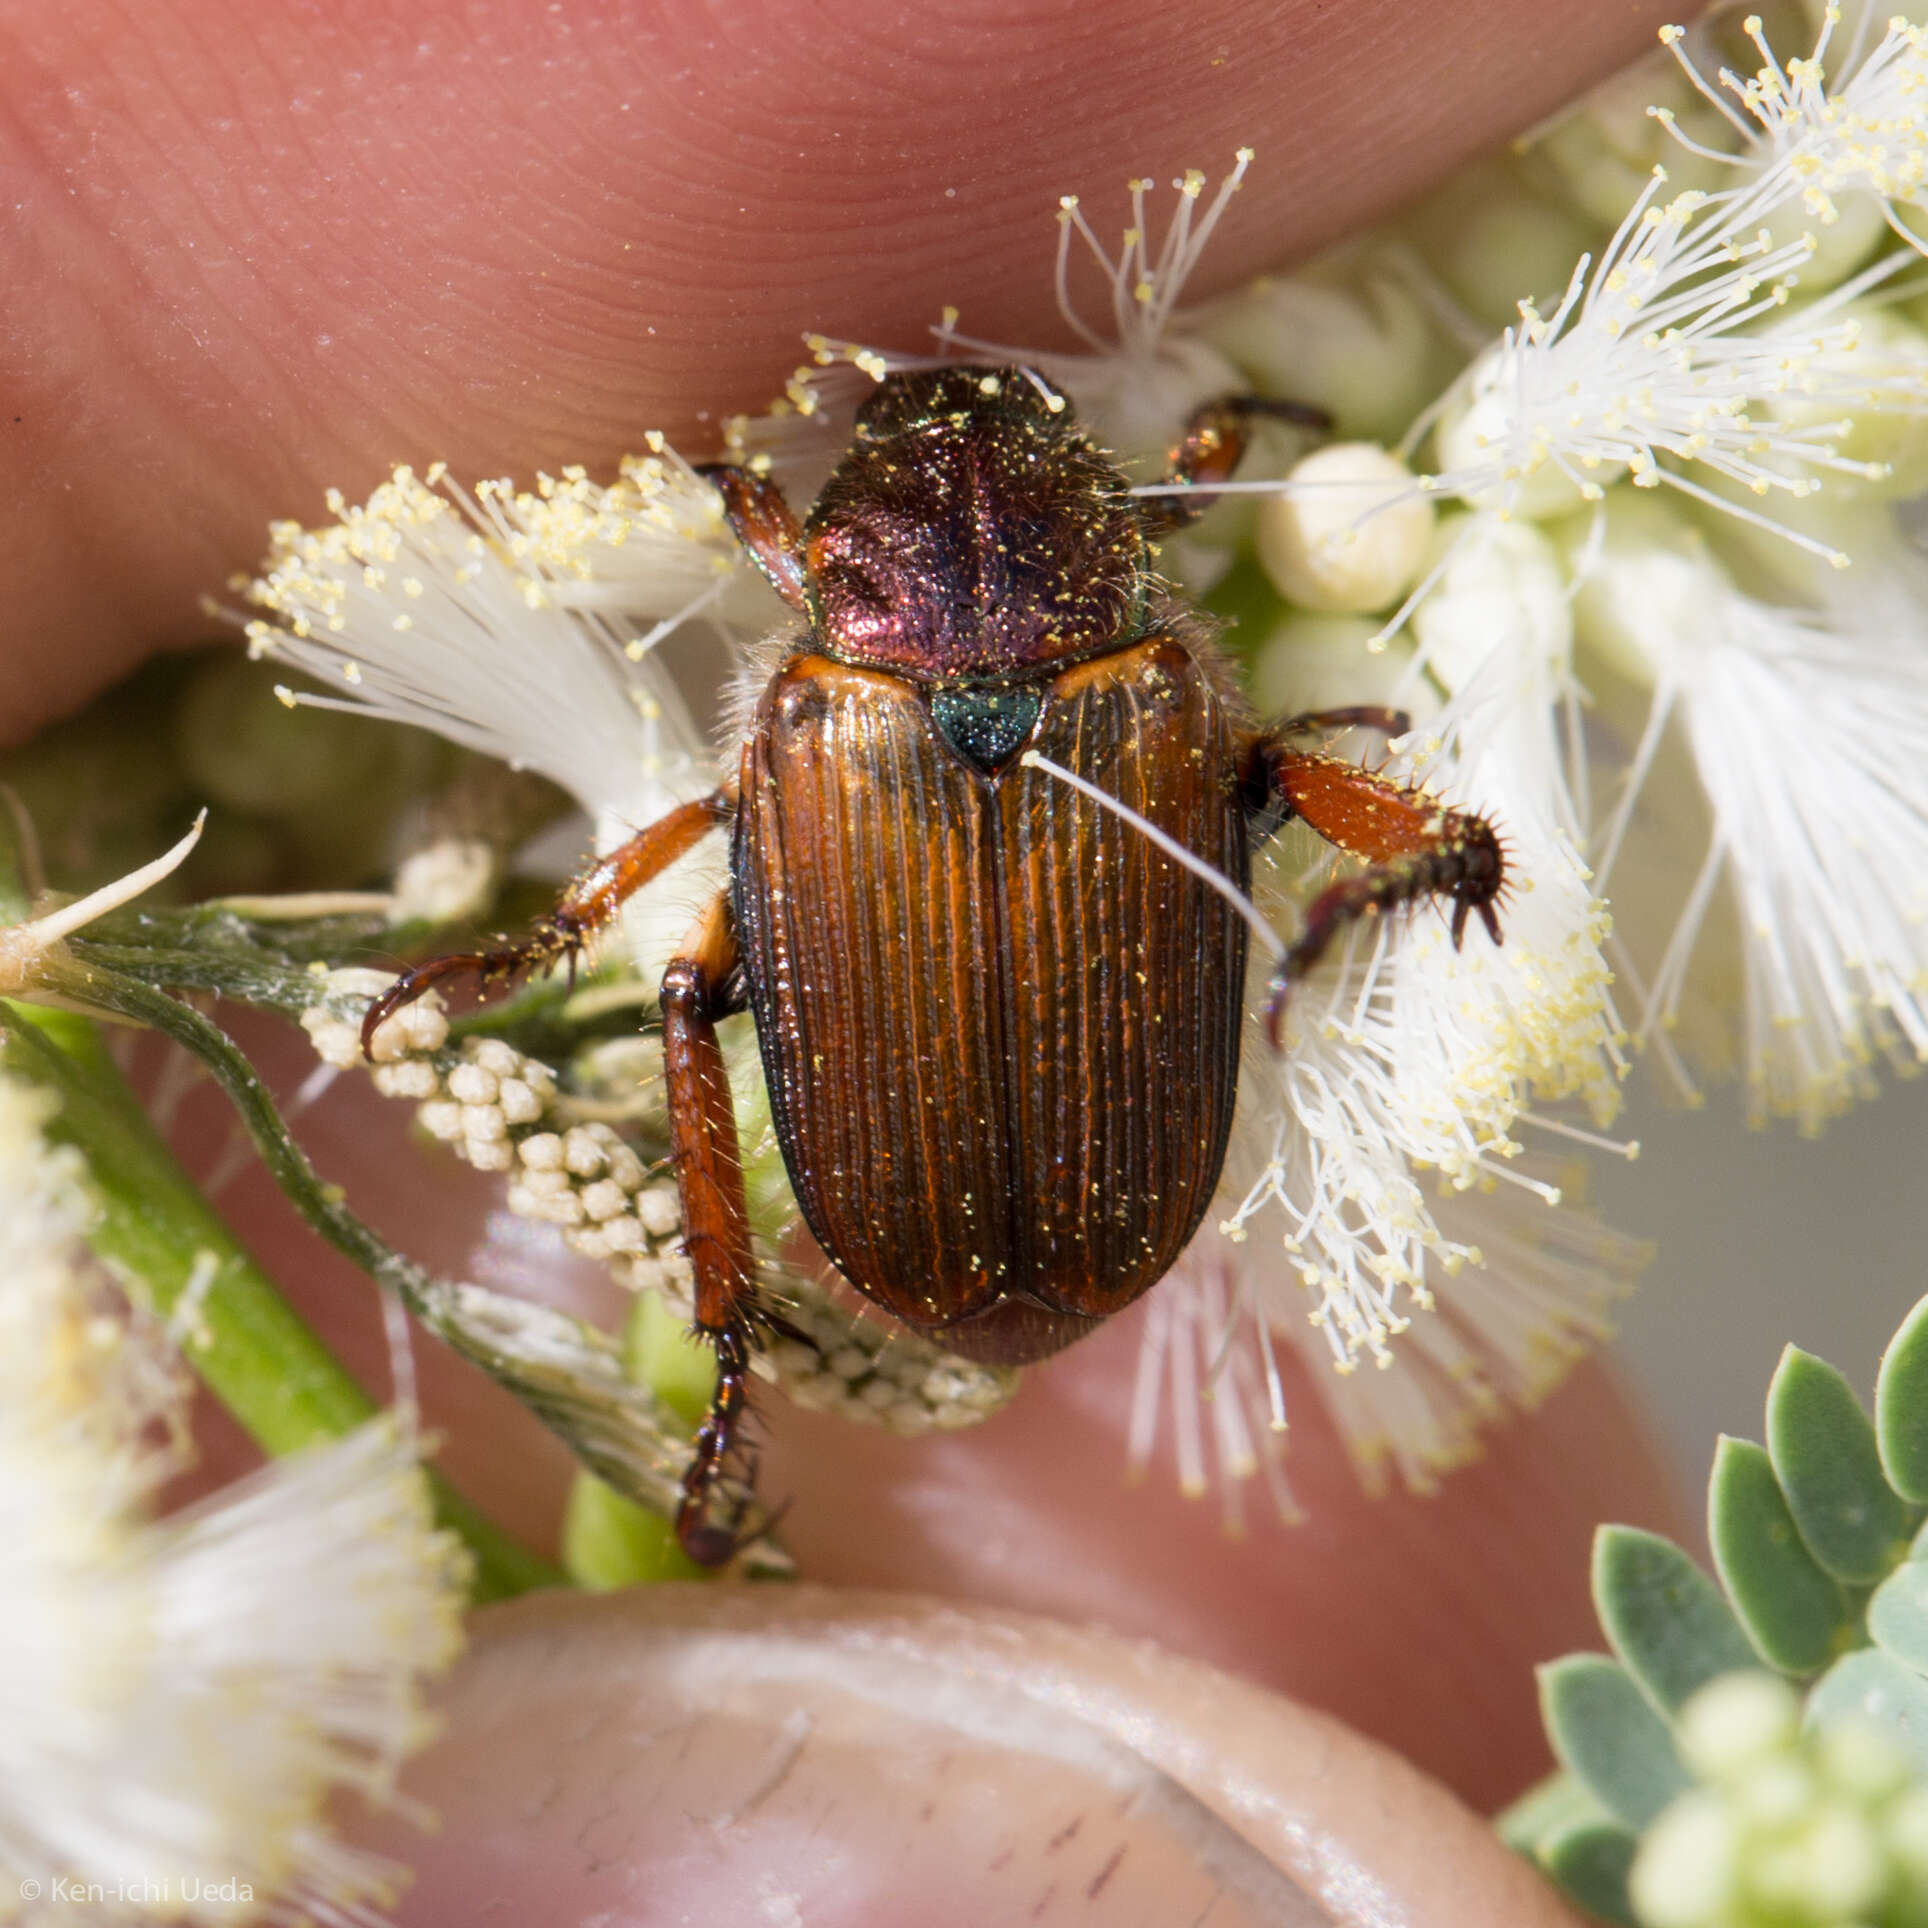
{"x": 1464, "y": 864}
{"x": 718, "y": 1513}
{"x": 550, "y": 944}
{"x": 715, "y": 1526}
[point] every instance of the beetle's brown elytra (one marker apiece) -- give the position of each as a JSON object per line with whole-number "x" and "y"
{"x": 1031, "y": 1122}
{"x": 1000, "y": 1025}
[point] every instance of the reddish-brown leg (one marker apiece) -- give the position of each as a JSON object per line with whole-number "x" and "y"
{"x": 1417, "y": 847}
{"x": 587, "y": 906}
{"x": 766, "y": 526}
{"x": 1358, "y": 716}
{"x": 699, "y": 988}
{"x": 1214, "y": 441}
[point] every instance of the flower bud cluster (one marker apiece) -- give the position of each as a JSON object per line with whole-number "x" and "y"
{"x": 861, "y": 1369}
{"x": 1793, "y": 1829}
{"x": 500, "y": 1111}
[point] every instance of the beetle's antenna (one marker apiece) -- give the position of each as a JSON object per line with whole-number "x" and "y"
{"x": 1172, "y": 848}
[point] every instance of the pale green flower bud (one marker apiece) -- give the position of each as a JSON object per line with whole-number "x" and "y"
{"x": 1847, "y": 226}
{"x": 244, "y": 749}
{"x": 1889, "y": 429}
{"x": 1831, "y": 1868}
{"x": 1353, "y": 535}
{"x": 1734, "y": 1722}
{"x": 1353, "y": 340}
{"x": 1494, "y": 242}
{"x": 1860, "y": 1762}
{"x": 1603, "y": 153}
{"x": 1313, "y": 662}
{"x": 1651, "y": 578}
{"x": 1685, "y": 1875}
{"x": 1906, "y": 1828}
{"x": 1478, "y": 420}
{"x": 1816, "y": 1828}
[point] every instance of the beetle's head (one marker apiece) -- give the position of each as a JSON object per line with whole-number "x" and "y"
{"x": 973, "y": 532}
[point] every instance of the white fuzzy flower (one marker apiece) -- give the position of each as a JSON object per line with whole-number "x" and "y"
{"x": 1419, "y": 1059}
{"x": 1226, "y": 1398}
{"x": 1844, "y": 156}
{"x": 519, "y": 623}
{"x": 1353, "y": 334}
{"x": 1411, "y": 1069}
{"x": 1809, "y": 734}
{"x": 526, "y": 624}
{"x": 1661, "y": 362}
{"x": 1519, "y": 1293}
{"x": 180, "y": 1698}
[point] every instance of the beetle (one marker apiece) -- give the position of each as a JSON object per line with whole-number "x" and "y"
{"x": 1000, "y": 1022}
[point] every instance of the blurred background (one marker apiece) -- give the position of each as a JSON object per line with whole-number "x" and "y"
{"x": 1764, "y": 1237}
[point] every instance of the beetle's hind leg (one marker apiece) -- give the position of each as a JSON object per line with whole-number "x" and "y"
{"x": 588, "y": 906}
{"x": 1415, "y": 845}
{"x": 703, "y": 984}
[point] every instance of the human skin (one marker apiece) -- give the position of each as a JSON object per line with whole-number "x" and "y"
{"x": 257, "y": 250}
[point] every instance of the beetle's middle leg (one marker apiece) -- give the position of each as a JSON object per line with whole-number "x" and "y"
{"x": 586, "y": 907}
{"x": 1416, "y": 847}
{"x": 702, "y": 985}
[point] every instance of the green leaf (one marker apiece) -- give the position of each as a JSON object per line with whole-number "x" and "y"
{"x": 1591, "y": 1862}
{"x": 1608, "y": 1736}
{"x": 1547, "y": 1809}
{"x": 1664, "y": 1617}
{"x": 1877, "y": 1691}
{"x": 1898, "y": 1615}
{"x": 1825, "y": 1456}
{"x": 1901, "y": 1406}
{"x": 1797, "y": 1617}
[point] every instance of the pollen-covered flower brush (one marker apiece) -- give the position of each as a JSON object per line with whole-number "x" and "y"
{"x": 180, "y": 1696}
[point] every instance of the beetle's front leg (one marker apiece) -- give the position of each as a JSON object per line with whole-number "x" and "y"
{"x": 701, "y": 986}
{"x": 1415, "y": 845}
{"x": 764, "y": 523}
{"x": 1210, "y": 450}
{"x": 586, "y": 907}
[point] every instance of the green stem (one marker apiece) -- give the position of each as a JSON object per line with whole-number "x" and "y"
{"x": 257, "y": 1355}
{"x": 243, "y": 970}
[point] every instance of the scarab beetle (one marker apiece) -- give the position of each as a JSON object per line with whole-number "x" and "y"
{"x": 999, "y": 1022}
